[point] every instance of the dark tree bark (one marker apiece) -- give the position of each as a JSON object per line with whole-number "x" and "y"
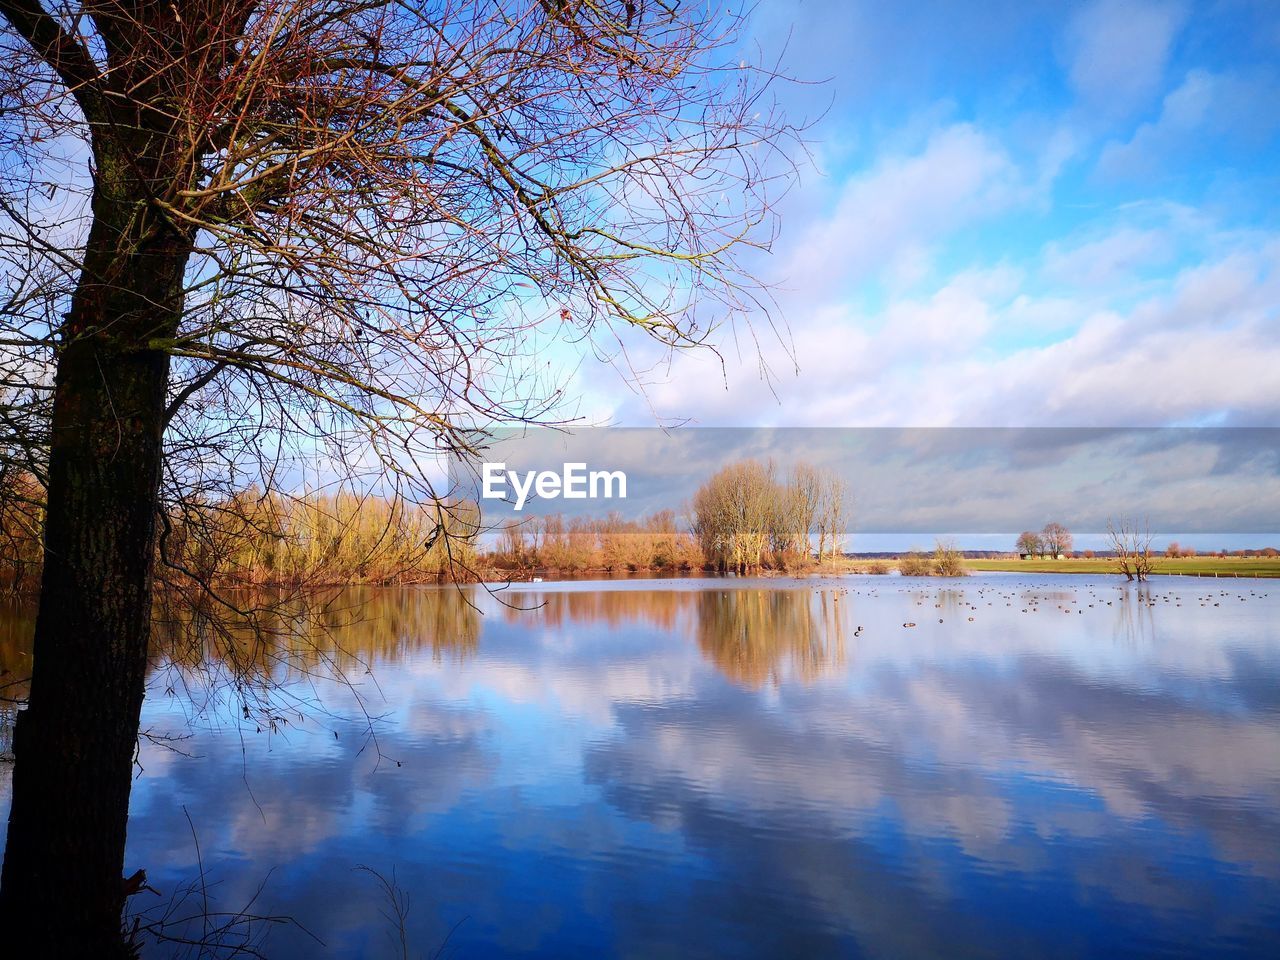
{"x": 61, "y": 893}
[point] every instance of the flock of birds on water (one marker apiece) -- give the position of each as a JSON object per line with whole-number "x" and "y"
{"x": 1035, "y": 601}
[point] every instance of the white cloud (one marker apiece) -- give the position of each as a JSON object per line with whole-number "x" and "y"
{"x": 1118, "y": 50}
{"x": 890, "y": 217}
{"x": 1201, "y": 112}
{"x": 1106, "y": 260}
{"x": 1201, "y": 343}
{"x": 1209, "y": 345}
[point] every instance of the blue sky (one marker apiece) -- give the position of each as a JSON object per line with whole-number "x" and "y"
{"x": 1016, "y": 214}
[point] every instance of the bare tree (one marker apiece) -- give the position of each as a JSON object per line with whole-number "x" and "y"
{"x": 734, "y": 516}
{"x": 244, "y": 238}
{"x": 833, "y": 514}
{"x": 1030, "y": 543}
{"x": 809, "y": 502}
{"x": 1132, "y": 547}
{"x": 1057, "y": 539}
{"x": 806, "y": 488}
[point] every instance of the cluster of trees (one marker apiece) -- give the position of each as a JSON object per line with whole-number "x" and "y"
{"x": 746, "y": 517}
{"x": 585, "y": 543}
{"x": 1054, "y": 540}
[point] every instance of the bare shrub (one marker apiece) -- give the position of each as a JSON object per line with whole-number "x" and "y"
{"x": 948, "y": 561}
{"x": 915, "y": 564}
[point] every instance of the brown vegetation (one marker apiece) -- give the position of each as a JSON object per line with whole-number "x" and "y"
{"x": 322, "y": 539}
{"x": 610, "y": 544}
{"x": 915, "y": 564}
{"x": 1030, "y": 544}
{"x": 273, "y": 539}
{"x": 1057, "y": 539}
{"x": 745, "y": 518}
{"x": 948, "y": 561}
{"x": 21, "y": 526}
{"x": 945, "y": 561}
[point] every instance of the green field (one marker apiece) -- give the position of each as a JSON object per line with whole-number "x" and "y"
{"x": 1187, "y": 566}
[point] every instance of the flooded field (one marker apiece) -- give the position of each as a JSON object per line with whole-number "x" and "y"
{"x": 1004, "y": 765}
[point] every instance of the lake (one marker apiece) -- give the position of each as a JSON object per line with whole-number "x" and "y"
{"x": 1040, "y": 766}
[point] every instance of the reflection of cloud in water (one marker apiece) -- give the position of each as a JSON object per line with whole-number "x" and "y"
{"x": 737, "y": 768}
{"x": 950, "y": 779}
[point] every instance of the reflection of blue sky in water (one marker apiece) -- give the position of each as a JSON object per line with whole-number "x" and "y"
{"x": 732, "y": 768}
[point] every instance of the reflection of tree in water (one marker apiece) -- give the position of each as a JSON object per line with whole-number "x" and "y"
{"x": 268, "y": 642}
{"x": 273, "y": 641}
{"x": 659, "y": 608}
{"x": 753, "y": 636}
{"x": 947, "y": 601}
{"x": 1135, "y": 623}
{"x": 390, "y": 624}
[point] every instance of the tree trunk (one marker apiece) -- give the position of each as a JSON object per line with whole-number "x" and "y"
{"x": 61, "y": 892}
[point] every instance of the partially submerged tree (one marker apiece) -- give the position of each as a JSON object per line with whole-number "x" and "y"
{"x": 245, "y": 237}
{"x": 948, "y": 559}
{"x": 1131, "y": 545}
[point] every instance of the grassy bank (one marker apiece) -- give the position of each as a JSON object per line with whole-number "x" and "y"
{"x": 1185, "y": 566}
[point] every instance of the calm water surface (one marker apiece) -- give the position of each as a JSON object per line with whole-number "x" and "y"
{"x": 1053, "y": 767}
